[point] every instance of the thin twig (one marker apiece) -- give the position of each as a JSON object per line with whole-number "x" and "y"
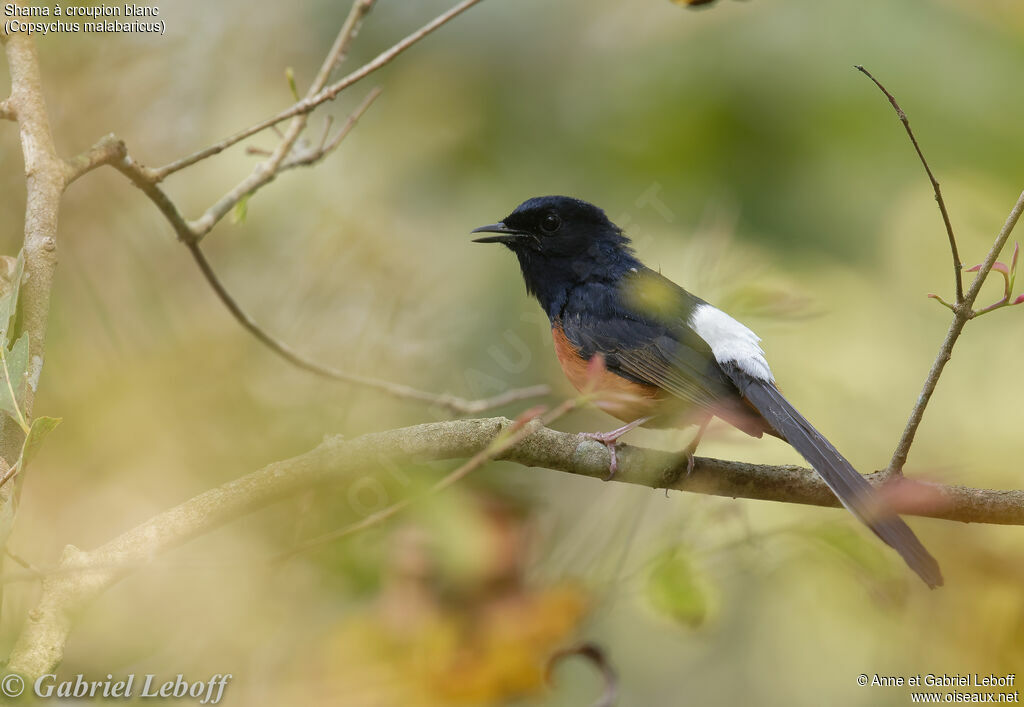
{"x": 308, "y": 104}
{"x": 11, "y": 472}
{"x": 23, "y": 562}
{"x": 7, "y": 110}
{"x": 111, "y": 151}
{"x": 312, "y": 156}
{"x": 958, "y": 266}
{"x": 360, "y": 9}
{"x": 267, "y": 171}
{"x": 962, "y": 313}
{"x": 454, "y": 404}
{"x": 107, "y": 150}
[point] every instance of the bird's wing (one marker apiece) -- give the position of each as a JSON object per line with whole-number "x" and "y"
{"x": 645, "y": 349}
{"x": 737, "y": 354}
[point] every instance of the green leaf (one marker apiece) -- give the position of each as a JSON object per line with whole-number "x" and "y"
{"x": 241, "y": 210}
{"x": 13, "y": 378}
{"x": 676, "y": 588}
{"x": 41, "y": 426}
{"x": 9, "y": 299}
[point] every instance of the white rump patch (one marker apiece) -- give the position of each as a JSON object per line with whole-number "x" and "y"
{"x": 730, "y": 341}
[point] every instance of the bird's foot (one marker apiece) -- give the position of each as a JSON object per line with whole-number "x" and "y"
{"x": 611, "y": 441}
{"x": 690, "y": 454}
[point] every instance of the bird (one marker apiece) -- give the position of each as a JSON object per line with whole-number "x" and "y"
{"x": 658, "y": 356}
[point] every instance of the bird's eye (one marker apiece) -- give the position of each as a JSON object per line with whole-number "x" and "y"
{"x": 550, "y": 223}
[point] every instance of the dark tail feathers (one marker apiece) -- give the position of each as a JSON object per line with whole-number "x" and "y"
{"x": 849, "y": 486}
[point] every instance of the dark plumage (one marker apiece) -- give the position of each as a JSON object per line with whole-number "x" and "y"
{"x": 670, "y": 358}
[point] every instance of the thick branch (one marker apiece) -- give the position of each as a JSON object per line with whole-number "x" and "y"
{"x": 44, "y": 180}
{"x": 84, "y": 575}
{"x": 962, "y": 313}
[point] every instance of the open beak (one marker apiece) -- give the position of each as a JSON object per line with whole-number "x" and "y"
{"x": 504, "y": 235}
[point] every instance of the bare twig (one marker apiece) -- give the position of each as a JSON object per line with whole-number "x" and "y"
{"x": 7, "y": 110}
{"x": 360, "y": 9}
{"x": 453, "y": 404}
{"x": 9, "y": 473}
{"x": 67, "y": 591}
{"x": 958, "y": 266}
{"x": 306, "y": 105}
{"x": 962, "y": 313}
{"x": 23, "y": 562}
{"x": 267, "y": 171}
{"x": 107, "y": 151}
{"x": 313, "y": 155}
{"x": 112, "y": 151}
{"x": 962, "y": 307}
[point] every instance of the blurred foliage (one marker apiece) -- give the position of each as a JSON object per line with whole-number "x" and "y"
{"x": 675, "y": 588}
{"x": 749, "y": 162}
{"x": 436, "y": 635}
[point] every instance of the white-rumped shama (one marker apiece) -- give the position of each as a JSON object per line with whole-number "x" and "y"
{"x": 670, "y": 359}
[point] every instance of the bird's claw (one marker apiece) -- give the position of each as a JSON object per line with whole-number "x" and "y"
{"x": 611, "y": 442}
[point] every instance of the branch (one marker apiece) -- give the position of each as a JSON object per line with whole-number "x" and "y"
{"x": 957, "y": 265}
{"x": 962, "y": 308}
{"x": 44, "y": 181}
{"x": 451, "y": 403}
{"x": 310, "y": 157}
{"x": 267, "y": 171}
{"x": 962, "y": 313}
{"x": 112, "y": 151}
{"x": 82, "y": 576}
{"x": 308, "y": 104}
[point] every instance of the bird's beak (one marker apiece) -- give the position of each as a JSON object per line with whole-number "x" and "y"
{"x": 504, "y": 235}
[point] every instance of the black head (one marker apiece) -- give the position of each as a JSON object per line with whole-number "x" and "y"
{"x": 560, "y": 242}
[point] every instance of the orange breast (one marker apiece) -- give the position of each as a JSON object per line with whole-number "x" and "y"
{"x": 618, "y": 396}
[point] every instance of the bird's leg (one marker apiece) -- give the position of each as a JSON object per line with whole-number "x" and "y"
{"x": 611, "y": 441}
{"x": 691, "y": 448}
